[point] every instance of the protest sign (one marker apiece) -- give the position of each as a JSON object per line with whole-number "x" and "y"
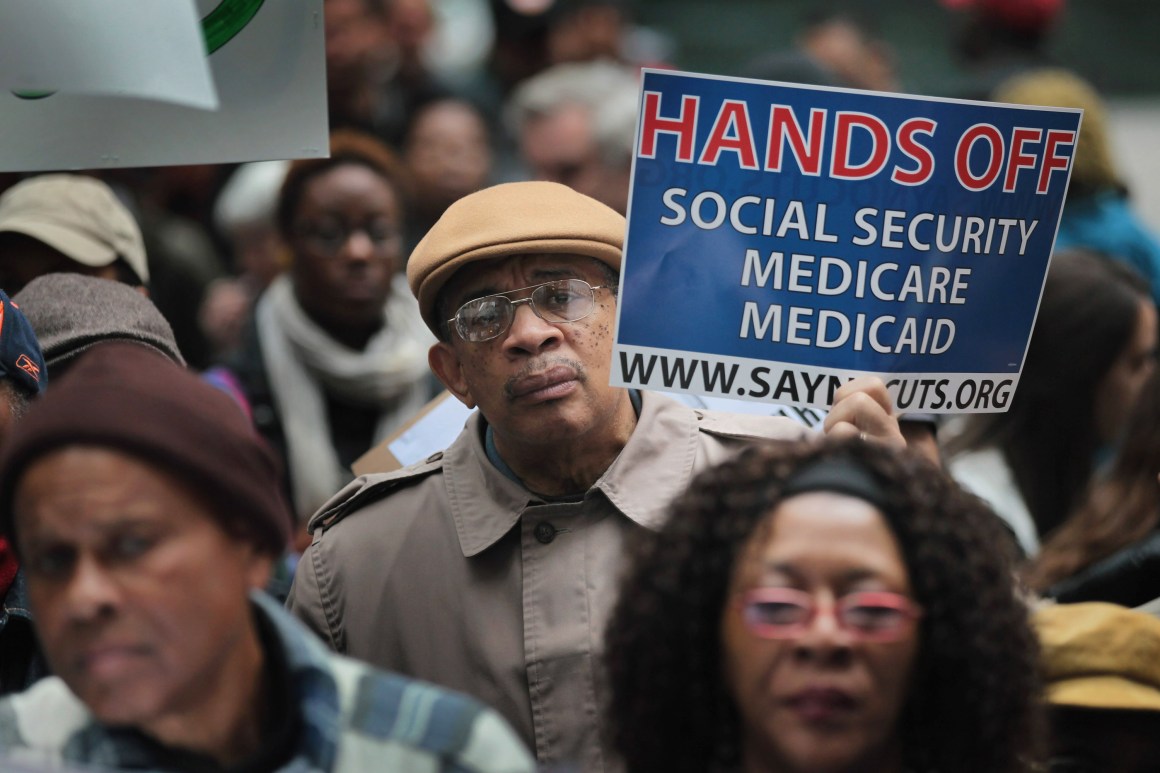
{"x": 91, "y": 84}
{"x": 783, "y": 239}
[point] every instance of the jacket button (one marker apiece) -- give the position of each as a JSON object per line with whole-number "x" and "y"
{"x": 545, "y": 532}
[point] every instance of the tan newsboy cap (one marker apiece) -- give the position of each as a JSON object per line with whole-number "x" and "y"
{"x": 511, "y": 219}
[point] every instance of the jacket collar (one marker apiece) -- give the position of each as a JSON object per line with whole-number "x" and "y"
{"x": 652, "y": 468}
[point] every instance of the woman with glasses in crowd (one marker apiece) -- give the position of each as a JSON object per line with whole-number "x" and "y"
{"x": 337, "y": 350}
{"x": 827, "y": 606}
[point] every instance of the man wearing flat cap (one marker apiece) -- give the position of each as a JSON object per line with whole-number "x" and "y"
{"x": 492, "y": 567}
{"x": 147, "y": 515}
{"x": 72, "y": 313}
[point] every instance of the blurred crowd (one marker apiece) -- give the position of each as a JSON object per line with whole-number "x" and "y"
{"x": 194, "y": 358}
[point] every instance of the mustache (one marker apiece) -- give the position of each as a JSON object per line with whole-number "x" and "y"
{"x": 540, "y": 365}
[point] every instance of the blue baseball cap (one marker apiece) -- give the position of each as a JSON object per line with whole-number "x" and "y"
{"x": 20, "y": 357}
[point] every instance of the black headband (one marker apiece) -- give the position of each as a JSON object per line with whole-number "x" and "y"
{"x": 839, "y": 474}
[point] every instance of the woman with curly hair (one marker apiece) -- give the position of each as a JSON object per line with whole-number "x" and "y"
{"x": 827, "y": 606}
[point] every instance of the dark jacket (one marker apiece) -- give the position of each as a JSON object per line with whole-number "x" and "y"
{"x": 1129, "y": 577}
{"x": 21, "y": 661}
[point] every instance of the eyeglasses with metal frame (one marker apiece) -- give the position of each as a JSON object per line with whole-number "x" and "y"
{"x": 561, "y": 300}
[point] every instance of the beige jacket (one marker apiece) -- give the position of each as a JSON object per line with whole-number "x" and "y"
{"x": 451, "y": 572}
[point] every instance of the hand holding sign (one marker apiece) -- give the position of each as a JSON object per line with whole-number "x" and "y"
{"x": 862, "y": 409}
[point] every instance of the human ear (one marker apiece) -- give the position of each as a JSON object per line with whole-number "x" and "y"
{"x": 444, "y": 363}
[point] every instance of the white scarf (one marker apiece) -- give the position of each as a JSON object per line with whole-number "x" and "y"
{"x": 302, "y": 361}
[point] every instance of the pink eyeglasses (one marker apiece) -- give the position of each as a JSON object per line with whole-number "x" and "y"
{"x": 786, "y": 613}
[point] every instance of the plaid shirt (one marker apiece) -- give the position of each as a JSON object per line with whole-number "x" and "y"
{"x": 351, "y": 718}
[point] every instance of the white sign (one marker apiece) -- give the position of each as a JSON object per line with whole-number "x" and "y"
{"x": 54, "y": 47}
{"x": 91, "y": 84}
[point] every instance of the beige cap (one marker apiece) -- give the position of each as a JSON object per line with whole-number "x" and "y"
{"x": 77, "y": 215}
{"x": 1100, "y": 656}
{"x": 511, "y": 219}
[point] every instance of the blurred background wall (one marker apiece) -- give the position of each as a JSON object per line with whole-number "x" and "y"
{"x": 1112, "y": 43}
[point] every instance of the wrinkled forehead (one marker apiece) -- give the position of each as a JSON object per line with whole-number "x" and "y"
{"x": 108, "y": 487}
{"x": 513, "y": 272}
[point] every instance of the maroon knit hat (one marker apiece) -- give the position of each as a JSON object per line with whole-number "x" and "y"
{"x": 129, "y": 398}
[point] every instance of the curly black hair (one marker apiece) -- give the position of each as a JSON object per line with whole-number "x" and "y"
{"x": 975, "y": 700}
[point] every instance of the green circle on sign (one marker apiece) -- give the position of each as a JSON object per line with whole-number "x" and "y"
{"x": 227, "y": 20}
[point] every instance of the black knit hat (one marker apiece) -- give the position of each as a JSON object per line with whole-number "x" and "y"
{"x": 129, "y": 398}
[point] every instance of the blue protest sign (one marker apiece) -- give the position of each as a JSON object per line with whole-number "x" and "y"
{"x": 783, "y": 239}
